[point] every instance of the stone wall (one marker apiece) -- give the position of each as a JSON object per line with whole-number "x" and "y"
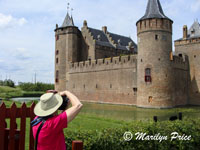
{"x": 191, "y": 48}
{"x": 110, "y": 80}
{"x": 181, "y": 80}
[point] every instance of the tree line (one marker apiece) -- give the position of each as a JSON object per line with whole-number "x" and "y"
{"x": 28, "y": 86}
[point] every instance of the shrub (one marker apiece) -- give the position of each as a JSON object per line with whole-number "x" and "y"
{"x": 36, "y": 87}
{"x": 112, "y": 139}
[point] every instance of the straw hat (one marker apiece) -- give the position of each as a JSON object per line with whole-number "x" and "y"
{"x": 48, "y": 104}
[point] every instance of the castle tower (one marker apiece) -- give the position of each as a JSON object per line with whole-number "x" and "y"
{"x": 154, "y": 71}
{"x": 66, "y": 51}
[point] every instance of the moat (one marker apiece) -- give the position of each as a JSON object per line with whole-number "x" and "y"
{"x": 124, "y": 112}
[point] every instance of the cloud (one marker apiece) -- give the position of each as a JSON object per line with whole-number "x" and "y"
{"x": 195, "y": 6}
{"x": 10, "y": 21}
{"x": 22, "y": 54}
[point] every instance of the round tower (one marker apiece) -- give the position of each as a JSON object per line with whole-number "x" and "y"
{"x": 66, "y": 51}
{"x": 154, "y": 70}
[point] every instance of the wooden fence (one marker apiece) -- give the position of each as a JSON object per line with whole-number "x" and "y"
{"x": 13, "y": 138}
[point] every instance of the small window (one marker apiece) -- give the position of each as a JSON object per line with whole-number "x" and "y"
{"x": 57, "y": 60}
{"x": 156, "y": 37}
{"x": 195, "y": 56}
{"x": 150, "y": 99}
{"x": 96, "y": 86}
{"x": 110, "y": 85}
{"x": 135, "y": 91}
{"x": 147, "y": 75}
{"x": 164, "y": 37}
{"x": 84, "y": 86}
{"x": 57, "y": 52}
{"x": 57, "y": 37}
{"x": 57, "y": 76}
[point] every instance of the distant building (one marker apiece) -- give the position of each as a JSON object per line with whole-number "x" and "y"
{"x": 99, "y": 66}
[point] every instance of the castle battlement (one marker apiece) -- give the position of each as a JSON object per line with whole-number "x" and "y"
{"x": 187, "y": 41}
{"x": 180, "y": 62}
{"x": 154, "y": 24}
{"x": 104, "y": 64}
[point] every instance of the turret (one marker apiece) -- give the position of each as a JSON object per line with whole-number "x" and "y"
{"x": 66, "y": 51}
{"x": 154, "y": 71}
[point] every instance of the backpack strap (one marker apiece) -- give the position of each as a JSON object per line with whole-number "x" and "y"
{"x": 38, "y": 131}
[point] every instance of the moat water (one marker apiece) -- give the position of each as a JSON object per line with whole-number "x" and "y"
{"x": 25, "y": 99}
{"x": 123, "y": 112}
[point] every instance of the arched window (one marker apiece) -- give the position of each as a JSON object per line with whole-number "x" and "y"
{"x": 147, "y": 75}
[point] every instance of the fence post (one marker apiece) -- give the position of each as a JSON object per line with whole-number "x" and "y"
{"x": 77, "y": 145}
{"x": 12, "y": 141}
{"x": 31, "y": 139}
{"x": 2, "y": 125}
{"x": 22, "y": 126}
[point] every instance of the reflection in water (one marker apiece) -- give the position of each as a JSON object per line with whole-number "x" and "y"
{"x": 25, "y": 99}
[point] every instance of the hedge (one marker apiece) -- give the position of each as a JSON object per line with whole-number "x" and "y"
{"x": 36, "y": 87}
{"x": 112, "y": 139}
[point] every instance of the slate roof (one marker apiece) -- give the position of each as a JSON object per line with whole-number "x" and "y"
{"x": 96, "y": 33}
{"x": 68, "y": 21}
{"x": 124, "y": 41}
{"x": 102, "y": 39}
{"x": 193, "y": 32}
{"x": 154, "y": 10}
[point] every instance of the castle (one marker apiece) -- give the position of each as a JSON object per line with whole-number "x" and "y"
{"x": 99, "y": 66}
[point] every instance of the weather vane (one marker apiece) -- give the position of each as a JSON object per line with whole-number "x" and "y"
{"x": 71, "y": 10}
{"x": 68, "y": 6}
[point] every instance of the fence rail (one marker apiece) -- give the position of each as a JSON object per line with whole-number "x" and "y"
{"x": 13, "y": 138}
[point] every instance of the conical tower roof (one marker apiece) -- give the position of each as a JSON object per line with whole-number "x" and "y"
{"x": 68, "y": 21}
{"x": 154, "y": 10}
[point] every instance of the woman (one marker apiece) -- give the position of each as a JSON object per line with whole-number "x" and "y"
{"x": 48, "y": 125}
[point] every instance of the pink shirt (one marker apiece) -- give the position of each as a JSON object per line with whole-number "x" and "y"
{"x": 51, "y": 136}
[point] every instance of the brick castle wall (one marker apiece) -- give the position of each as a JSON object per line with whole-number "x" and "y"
{"x": 110, "y": 80}
{"x": 191, "y": 48}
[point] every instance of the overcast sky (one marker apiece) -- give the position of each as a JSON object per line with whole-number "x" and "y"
{"x": 27, "y": 29}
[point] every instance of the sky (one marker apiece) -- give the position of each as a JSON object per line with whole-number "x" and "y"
{"x": 27, "y": 41}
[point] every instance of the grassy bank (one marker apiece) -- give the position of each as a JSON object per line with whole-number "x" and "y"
{"x": 8, "y": 92}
